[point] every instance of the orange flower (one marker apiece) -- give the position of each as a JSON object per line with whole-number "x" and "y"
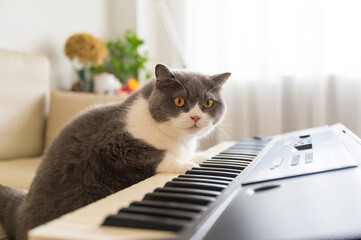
{"x": 133, "y": 84}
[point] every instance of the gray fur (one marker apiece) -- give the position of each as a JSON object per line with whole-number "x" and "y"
{"x": 94, "y": 156}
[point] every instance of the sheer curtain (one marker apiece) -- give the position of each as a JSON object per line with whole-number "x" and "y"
{"x": 295, "y": 64}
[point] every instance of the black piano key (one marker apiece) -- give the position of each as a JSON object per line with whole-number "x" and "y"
{"x": 225, "y": 161}
{"x": 206, "y": 177}
{"x": 160, "y": 212}
{"x": 246, "y": 153}
{"x": 230, "y": 161}
{"x": 221, "y": 165}
{"x": 170, "y": 205}
{"x": 256, "y": 142}
{"x": 185, "y": 197}
{"x": 179, "y": 197}
{"x": 196, "y": 185}
{"x": 200, "y": 180}
{"x": 223, "y": 169}
{"x": 214, "y": 173}
{"x": 246, "y": 148}
{"x": 233, "y": 162}
{"x": 201, "y": 192}
{"x": 240, "y": 160}
{"x": 145, "y": 222}
{"x": 239, "y": 155}
{"x": 241, "y": 151}
{"x": 234, "y": 157}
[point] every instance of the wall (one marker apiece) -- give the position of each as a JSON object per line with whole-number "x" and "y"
{"x": 42, "y": 26}
{"x": 152, "y": 30}
{"x": 122, "y": 16}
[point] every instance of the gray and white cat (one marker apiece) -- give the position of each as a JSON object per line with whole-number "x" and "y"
{"x": 113, "y": 146}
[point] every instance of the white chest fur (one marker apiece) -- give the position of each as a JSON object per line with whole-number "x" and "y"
{"x": 178, "y": 151}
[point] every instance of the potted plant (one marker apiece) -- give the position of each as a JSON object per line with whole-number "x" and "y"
{"x": 125, "y": 61}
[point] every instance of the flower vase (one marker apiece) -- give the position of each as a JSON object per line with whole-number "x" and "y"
{"x": 85, "y": 84}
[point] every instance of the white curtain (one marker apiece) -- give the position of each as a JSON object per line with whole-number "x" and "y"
{"x": 295, "y": 64}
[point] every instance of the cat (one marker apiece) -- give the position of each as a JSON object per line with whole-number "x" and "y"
{"x": 112, "y": 146}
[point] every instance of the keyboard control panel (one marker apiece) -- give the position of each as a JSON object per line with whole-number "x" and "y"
{"x": 301, "y": 154}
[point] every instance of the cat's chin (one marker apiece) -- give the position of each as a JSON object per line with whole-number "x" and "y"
{"x": 175, "y": 130}
{"x": 196, "y": 131}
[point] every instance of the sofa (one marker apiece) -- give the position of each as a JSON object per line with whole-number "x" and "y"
{"x": 31, "y": 115}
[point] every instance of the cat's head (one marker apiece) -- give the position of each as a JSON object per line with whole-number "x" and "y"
{"x": 187, "y": 103}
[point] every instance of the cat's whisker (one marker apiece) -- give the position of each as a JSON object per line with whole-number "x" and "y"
{"x": 224, "y": 131}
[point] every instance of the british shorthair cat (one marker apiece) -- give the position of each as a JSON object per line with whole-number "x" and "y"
{"x": 112, "y": 146}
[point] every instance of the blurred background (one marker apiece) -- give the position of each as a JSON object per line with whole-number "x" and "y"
{"x": 295, "y": 63}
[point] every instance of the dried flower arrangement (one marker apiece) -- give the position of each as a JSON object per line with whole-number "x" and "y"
{"x": 111, "y": 69}
{"x": 85, "y": 51}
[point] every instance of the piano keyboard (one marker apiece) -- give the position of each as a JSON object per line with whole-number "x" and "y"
{"x": 186, "y": 199}
{"x": 299, "y": 185}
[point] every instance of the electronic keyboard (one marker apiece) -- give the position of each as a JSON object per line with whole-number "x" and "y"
{"x": 300, "y": 185}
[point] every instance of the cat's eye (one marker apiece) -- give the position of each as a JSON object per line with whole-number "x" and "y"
{"x": 208, "y": 103}
{"x": 179, "y": 101}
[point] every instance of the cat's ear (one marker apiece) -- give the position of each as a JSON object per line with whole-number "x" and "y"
{"x": 220, "y": 79}
{"x": 162, "y": 72}
{"x": 165, "y": 78}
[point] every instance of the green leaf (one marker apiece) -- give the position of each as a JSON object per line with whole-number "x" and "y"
{"x": 124, "y": 59}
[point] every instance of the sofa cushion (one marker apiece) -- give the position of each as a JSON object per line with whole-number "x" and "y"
{"x": 64, "y": 106}
{"x": 19, "y": 173}
{"x": 2, "y": 233}
{"x": 24, "y": 80}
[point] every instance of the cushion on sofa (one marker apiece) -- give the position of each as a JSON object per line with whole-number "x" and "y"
{"x": 24, "y": 81}
{"x": 19, "y": 173}
{"x": 64, "y": 106}
{"x": 2, "y": 233}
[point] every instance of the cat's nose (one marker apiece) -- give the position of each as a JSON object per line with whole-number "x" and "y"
{"x": 195, "y": 118}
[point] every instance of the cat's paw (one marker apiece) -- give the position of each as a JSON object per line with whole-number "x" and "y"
{"x": 185, "y": 166}
{"x": 201, "y": 157}
{"x": 175, "y": 166}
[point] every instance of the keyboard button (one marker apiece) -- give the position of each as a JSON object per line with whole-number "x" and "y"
{"x": 308, "y": 157}
{"x": 276, "y": 163}
{"x": 303, "y": 145}
{"x": 305, "y": 136}
{"x": 295, "y": 160}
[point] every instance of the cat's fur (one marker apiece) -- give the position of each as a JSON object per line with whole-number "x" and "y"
{"x": 113, "y": 146}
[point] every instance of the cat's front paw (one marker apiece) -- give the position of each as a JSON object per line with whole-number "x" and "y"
{"x": 175, "y": 166}
{"x": 201, "y": 157}
{"x": 186, "y": 166}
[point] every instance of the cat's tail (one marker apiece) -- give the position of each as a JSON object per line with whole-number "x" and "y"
{"x": 10, "y": 199}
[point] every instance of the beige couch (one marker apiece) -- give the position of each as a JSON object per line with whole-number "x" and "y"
{"x": 31, "y": 116}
